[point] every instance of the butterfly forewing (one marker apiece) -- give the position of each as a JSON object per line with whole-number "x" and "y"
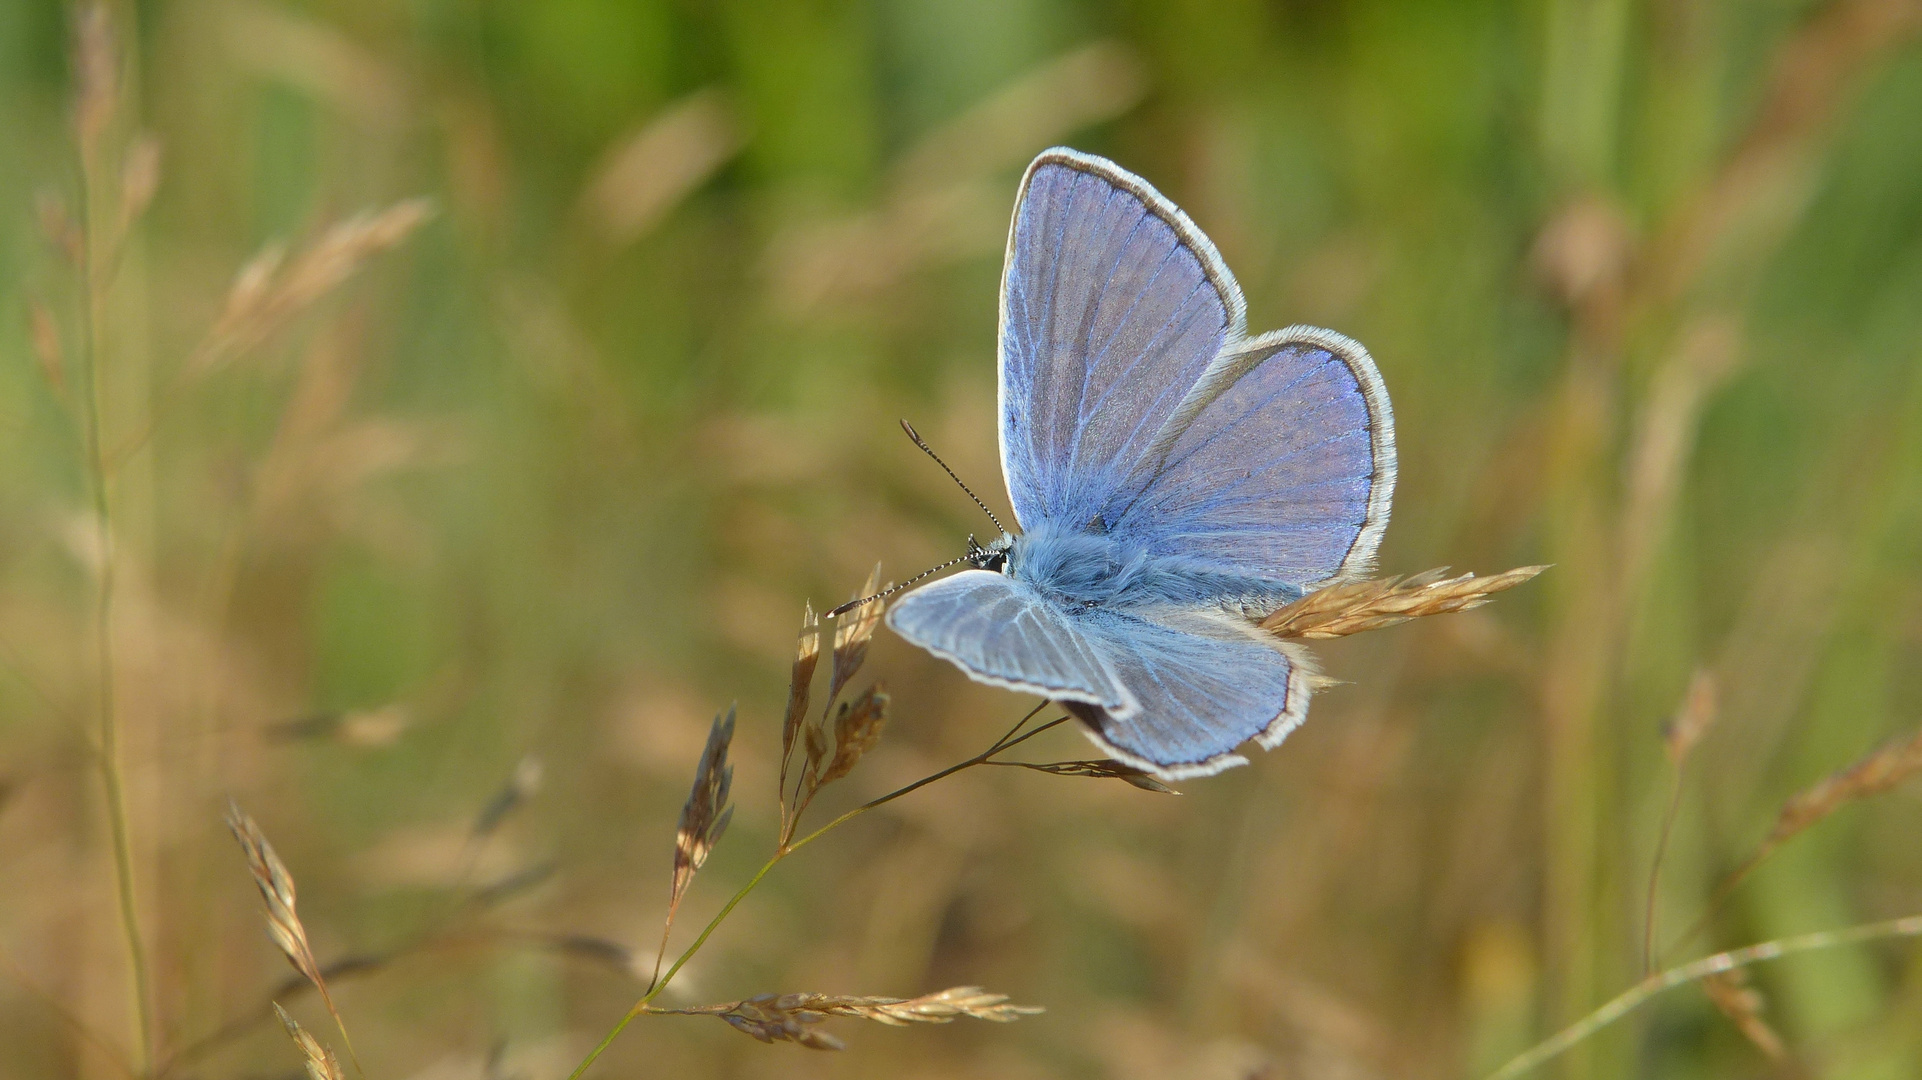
{"x": 1113, "y": 304}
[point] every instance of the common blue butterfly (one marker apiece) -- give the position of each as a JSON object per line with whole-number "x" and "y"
{"x": 1172, "y": 477}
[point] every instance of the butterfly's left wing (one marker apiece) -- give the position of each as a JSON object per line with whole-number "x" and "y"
{"x": 1112, "y": 304}
{"x": 1204, "y": 685}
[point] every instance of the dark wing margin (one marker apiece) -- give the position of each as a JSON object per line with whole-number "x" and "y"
{"x": 1113, "y": 303}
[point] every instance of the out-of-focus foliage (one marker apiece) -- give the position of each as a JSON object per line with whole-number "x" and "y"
{"x": 554, "y": 475}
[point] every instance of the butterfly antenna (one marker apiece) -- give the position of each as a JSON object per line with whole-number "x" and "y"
{"x": 892, "y": 589}
{"x": 929, "y": 450}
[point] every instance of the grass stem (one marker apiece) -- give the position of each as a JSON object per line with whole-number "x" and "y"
{"x": 1638, "y": 995}
{"x": 1008, "y": 741}
{"x": 112, "y": 774}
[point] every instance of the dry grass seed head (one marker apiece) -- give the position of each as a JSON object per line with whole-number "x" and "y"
{"x": 1873, "y": 775}
{"x": 705, "y": 816}
{"x": 807, "y": 652}
{"x": 276, "y": 887}
{"x": 1743, "y": 1004}
{"x": 96, "y": 72}
{"x": 321, "y": 1063}
{"x": 139, "y": 178}
{"x": 1692, "y": 721}
{"x": 269, "y": 290}
{"x": 851, "y": 637}
{"x": 46, "y": 346}
{"x": 856, "y": 729}
{"x": 57, "y": 226}
{"x": 791, "y": 1017}
{"x": 1105, "y": 768}
{"x": 1340, "y": 610}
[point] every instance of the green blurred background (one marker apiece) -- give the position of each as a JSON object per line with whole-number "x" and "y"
{"x": 550, "y": 479}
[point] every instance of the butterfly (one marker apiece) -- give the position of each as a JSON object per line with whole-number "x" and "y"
{"x": 1173, "y": 478}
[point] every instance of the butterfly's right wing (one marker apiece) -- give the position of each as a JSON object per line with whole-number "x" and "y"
{"x": 1004, "y": 633}
{"x": 1113, "y": 303}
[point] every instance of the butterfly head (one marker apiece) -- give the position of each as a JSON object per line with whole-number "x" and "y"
{"x": 993, "y": 556}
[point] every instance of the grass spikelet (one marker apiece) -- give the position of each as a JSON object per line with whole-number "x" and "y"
{"x": 1105, "y": 768}
{"x": 139, "y": 179}
{"x": 1699, "y": 709}
{"x": 851, "y": 637}
{"x": 46, "y": 347}
{"x": 792, "y": 1017}
{"x": 1340, "y": 610}
{"x": 1879, "y": 772}
{"x": 271, "y": 289}
{"x": 58, "y": 228}
{"x": 807, "y": 653}
{"x": 321, "y": 1063}
{"x": 96, "y": 73}
{"x": 277, "y": 893}
{"x": 705, "y": 816}
{"x": 856, "y": 729}
{"x": 646, "y": 173}
{"x": 1731, "y": 993}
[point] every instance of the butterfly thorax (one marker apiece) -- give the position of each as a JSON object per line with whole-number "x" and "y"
{"x": 1102, "y": 569}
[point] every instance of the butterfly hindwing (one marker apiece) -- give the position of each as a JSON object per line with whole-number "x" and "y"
{"x": 1204, "y": 687}
{"x": 1112, "y": 305}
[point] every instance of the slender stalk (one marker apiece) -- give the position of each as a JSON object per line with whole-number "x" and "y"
{"x": 112, "y": 774}
{"x": 1655, "y": 872}
{"x": 1639, "y": 994}
{"x": 1005, "y": 742}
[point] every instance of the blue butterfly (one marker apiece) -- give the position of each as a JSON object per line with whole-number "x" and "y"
{"x": 1174, "y": 478}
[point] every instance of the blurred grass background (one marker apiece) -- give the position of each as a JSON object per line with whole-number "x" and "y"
{"x": 553, "y": 477}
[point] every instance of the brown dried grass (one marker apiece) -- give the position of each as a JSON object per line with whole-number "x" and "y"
{"x": 1876, "y": 774}
{"x": 1700, "y": 706}
{"x": 47, "y": 351}
{"x": 792, "y": 1017}
{"x": 320, "y": 1061}
{"x": 1105, "y": 768}
{"x": 1340, "y": 610}
{"x": 807, "y": 653}
{"x": 1731, "y": 993}
{"x": 852, "y": 634}
{"x": 705, "y": 815}
{"x": 277, "y": 893}
{"x": 857, "y": 727}
{"x": 271, "y": 288}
